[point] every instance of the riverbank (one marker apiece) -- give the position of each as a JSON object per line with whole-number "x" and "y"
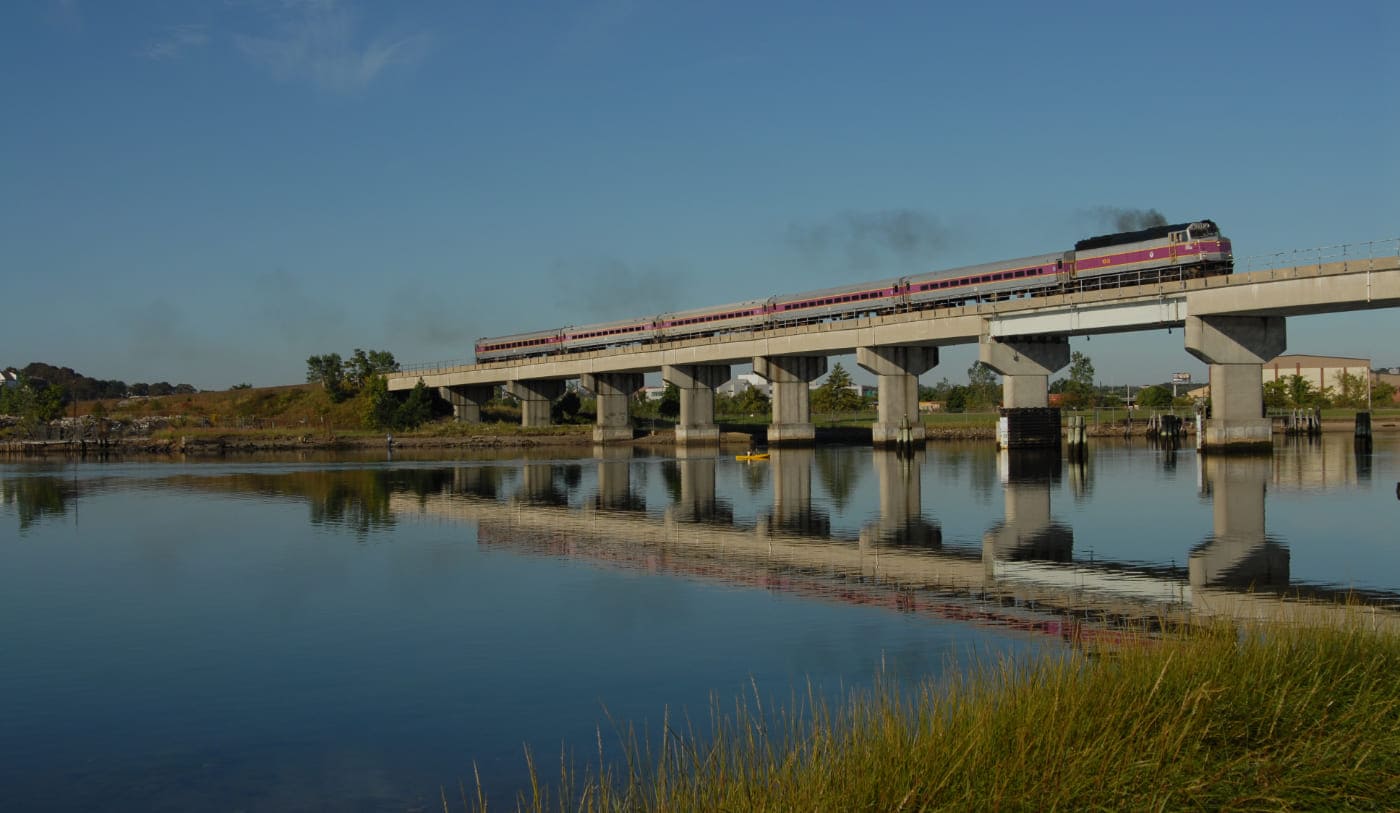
{"x": 1217, "y": 719}
{"x": 183, "y": 436}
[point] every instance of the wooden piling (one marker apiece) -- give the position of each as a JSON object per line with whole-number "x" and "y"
{"x": 1362, "y": 435}
{"x": 1076, "y": 438}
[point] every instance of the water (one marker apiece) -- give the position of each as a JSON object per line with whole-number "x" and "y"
{"x": 353, "y": 634}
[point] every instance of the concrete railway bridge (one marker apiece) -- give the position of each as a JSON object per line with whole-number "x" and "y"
{"x": 1233, "y": 323}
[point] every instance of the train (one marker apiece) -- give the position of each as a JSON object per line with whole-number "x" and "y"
{"x": 1143, "y": 257}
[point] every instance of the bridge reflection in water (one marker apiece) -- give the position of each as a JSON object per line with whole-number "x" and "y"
{"x": 1024, "y": 574}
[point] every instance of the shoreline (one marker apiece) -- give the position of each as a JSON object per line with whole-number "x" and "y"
{"x": 204, "y": 443}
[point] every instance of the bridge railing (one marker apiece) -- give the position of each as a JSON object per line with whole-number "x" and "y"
{"x": 1360, "y": 255}
{"x": 434, "y": 365}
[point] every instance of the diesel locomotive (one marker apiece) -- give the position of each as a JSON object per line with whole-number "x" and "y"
{"x": 1145, "y": 257}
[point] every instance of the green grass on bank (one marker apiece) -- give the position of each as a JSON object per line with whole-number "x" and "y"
{"x": 1279, "y": 719}
{"x": 307, "y": 409}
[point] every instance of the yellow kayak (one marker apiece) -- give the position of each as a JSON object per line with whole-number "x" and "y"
{"x": 755, "y": 456}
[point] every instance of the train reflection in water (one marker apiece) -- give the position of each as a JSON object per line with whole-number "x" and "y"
{"x": 762, "y": 525}
{"x": 1025, "y": 573}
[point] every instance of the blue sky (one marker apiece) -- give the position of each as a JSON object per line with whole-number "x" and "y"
{"x": 209, "y": 191}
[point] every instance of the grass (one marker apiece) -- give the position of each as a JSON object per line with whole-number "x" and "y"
{"x": 1271, "y": 719}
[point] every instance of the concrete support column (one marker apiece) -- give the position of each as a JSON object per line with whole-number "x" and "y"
{"x": 792, "y": 493}
{"x": 467, "y": 401}
{"x": 614, "y": 392}
{"x": 696, "y": 383}
{"x": 1026, "y": 365}
{"x": 535, "y": 398}
{"x": 897, "y": 370}
{"x": 901, "y": 522}
{"x": 1027, "y": 532}
{"x": 1238, "y": 553}
{"x": 615, "y": 479}
{"x": 1236, "y": 348}
{"x": 697, "y": 501}
{"x": 792, "y": 399}
{"x": 537, "y": 486}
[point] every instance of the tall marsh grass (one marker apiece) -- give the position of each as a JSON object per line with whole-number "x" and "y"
{"x": 1271, "y": 719}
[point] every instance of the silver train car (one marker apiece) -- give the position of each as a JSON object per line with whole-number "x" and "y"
{"x": 989, "y": 281}
{"x": 713, "y": 320}
{"x": 1147, "y": 256}
{"x": 845, "y": 302}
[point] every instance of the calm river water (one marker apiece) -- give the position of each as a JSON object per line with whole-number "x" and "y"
{"x": 341, "y": 633}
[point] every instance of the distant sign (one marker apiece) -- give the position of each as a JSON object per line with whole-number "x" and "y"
{"x": 1181, "y": 378}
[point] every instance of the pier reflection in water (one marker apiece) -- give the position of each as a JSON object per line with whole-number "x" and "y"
{"x": 524, "y": 591}
{"x": 1027, "y": 557}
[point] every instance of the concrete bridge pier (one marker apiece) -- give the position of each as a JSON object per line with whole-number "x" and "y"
{"x": 538, "y": 486}
{"x": 1027, "y": 421}
{"x": 1025, "y": 365}
{"x": 467, "y": 401}
{"x": 615, "y": 479}
{"x": 697, "y": 501}
{"x": 1236, "y": 348}
{"x": 535, "y": 398}
{"x": 792, "y": 493}
{"x": 614, "y": 392}
{"x": 901, "y": 522}
{"x": 696, "y": 383}
{"x": 1238, "y": 554}
{"x": 897, "y": 370}
{"x": 1028, "y": 531}
{"x": 792, "y": 398}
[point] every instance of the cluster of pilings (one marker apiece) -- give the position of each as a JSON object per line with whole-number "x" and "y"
{"x": 1362, "y": 435}
{"x": 1077, "y": 438}
{"x": 1304, "y": 423}
{"x": 1166, "y": 428}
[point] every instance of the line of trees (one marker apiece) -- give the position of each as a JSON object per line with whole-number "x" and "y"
{"x": 78, "y": 387}
{"x": 981, "y": 392}
{"x": 32, "y": 401}
{"x": 343, "y": 379}
{"x": 362, "y": 377}
{"x": 1352, "y": 391}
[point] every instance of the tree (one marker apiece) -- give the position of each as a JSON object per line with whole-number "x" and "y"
{"x": 1276, "y": 394}
{"x": 565, "y": 409}
{"x": 1382, "y": 393}
{"x": 1078, "y": 389}
{"x": 33, "y": 401}
{"x": 983, "y": 388}
{"x": 329, "y": 372}
{"x": 380, "y": 408}
{"x": 836, "y": 393}
{"x": 670, "y": 406}
{"x": 1154, "y": 397}
{"x": 361, "y": 365}
{"x": 1302, "y": 394}
{"x": 1353, "y": 391}
{"x": 747, "y": 402}
{"x": 416, "y": 409}
{"x": 938, "y": 392}
{"x": 956, "y": 400}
